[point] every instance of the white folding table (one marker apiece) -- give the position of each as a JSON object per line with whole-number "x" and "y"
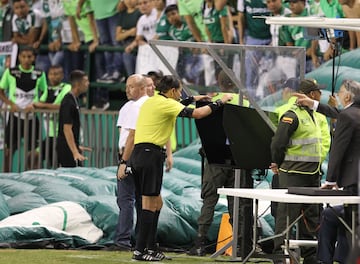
{"x": 281, "y": 195}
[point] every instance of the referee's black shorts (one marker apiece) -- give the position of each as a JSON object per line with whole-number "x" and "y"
{"x": 147, "y": 163}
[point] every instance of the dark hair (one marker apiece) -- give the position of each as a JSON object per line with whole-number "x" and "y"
{"x": 76, "y": 76}
{"x": 168, "y": 82}
{"x": 170, "y": 8}
{"x": 26, "y": 48}
{"x": 156, "y": 74}
{"x": 15, "y": 1}
{"x": 225, "y": 83}
{"x": 55, "y": 67}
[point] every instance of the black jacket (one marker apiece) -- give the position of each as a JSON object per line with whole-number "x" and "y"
{"x": 344, "y": 157}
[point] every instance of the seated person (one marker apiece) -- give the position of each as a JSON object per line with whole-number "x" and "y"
{"x": 332, "y": 241}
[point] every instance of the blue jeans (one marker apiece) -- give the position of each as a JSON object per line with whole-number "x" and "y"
{"x": 126, "y": 203}
{"x": 252, "y": 59}
{"x": 190, "y": 66}
{"x": 42, "y": 62}
{"x": 100, "y": 95}
{"x": 107, "y": 32}
{"x": 129, "y": 62}
{"x": 72, "y": 61}
{"x": 332, "y": 231}
{"x": 56, "y": 58}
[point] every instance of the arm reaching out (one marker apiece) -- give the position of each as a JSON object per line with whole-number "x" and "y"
{"x": 304, "y": 100}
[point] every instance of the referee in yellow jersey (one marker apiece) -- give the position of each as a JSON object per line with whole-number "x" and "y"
{"x": 155, "y": 124}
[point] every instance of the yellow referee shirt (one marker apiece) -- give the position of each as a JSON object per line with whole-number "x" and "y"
{"x": 156, "y": 120}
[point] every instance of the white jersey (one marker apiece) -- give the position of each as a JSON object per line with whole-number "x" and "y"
{"x": 146, "y": 25}
{"x": 23, "y": 25}
{"x": 171, "y": 2}
{"x": 127, "y": 119}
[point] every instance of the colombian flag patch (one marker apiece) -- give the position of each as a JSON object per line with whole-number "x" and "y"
{"x": 288, "y": 120}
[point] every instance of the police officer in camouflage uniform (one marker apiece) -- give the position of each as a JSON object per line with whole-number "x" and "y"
{"x": 216, "y": 176}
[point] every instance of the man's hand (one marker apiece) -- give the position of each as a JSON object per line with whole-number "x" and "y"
{"x": 202, "y": 98}
{"x": 74, "y": 46}
{"x": 54, "y": 46}
{"x": 121, "y": 172}
{"x": 93, "y": 46}
{"x": 36, "y": 44}
{"x": 79, "y": 157}
{"x": 129, "y": 48}
{"x": 315, "y": 61}
{"x": 304, "y": 100}
{"x": 14, "y": 108}
{"x": 51, "y": 47}
{"x": 82, "y": 148}
{"x": 328, "y": 54}
{"x": 29, "y": 108}
{"x": 332, "y": 101}
{"x": 169, "y": 163}
{"x": 329, "y": 186}
{"x": 274, "y": 168}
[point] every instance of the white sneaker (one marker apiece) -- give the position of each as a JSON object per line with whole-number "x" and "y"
{"x": 101, "y": 107}
{"x": 106, "y": 78}
{"x": 106, "y": 106}
{"x": 185, "y": 81}
{"x": 115, "y": 76}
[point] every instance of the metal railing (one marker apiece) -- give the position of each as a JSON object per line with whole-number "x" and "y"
{"x": 98, "y": 131}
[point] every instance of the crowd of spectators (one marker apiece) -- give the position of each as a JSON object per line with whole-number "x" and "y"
{"x": 65, "y": 25}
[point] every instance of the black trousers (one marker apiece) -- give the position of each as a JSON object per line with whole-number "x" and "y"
{"x": 309, "y": 223}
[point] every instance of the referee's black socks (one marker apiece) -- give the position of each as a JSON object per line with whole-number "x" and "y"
{"x": 146, "y": 226}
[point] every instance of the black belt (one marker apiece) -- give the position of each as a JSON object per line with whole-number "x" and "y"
{"x": 149, "y": 145}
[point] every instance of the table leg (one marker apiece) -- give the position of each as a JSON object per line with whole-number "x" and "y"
{"x": 235, "y": 224}
{"x": 254, "y": 231}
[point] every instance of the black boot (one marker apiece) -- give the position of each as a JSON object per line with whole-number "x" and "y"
{"x": 199, "y": 248}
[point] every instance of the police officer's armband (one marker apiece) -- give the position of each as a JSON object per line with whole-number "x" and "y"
{"x": 215, "y": 105}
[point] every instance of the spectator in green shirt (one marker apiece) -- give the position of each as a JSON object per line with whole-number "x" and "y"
{"x": 85, "y": 20}
{"x": 106, "y": 17}
{"x": 189, "y": 65}
{"x": 294, "y": 35}
{"x": 162, "y": 25}
{"x": 191, "y": 11}
{"x": 20, "y": 88}
{"x": 329, "y": 9}
{"x": 56, "y": 92}
{"x": 26, "y": 24}
{"x": 216, "y": 22}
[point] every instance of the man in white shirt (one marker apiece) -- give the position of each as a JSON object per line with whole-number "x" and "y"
{"x": 137, "y": 94}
